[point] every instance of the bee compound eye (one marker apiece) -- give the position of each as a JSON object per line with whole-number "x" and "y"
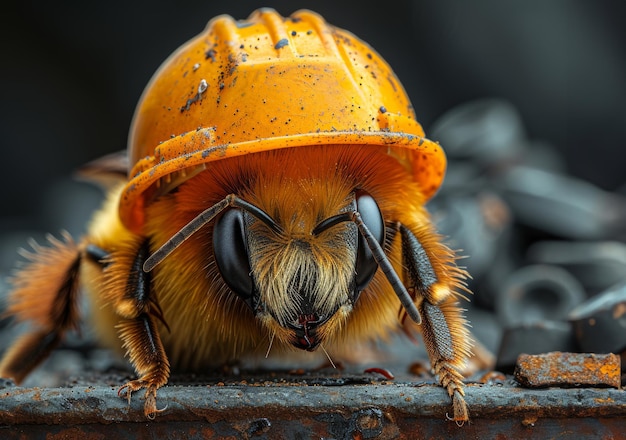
{"x": 231, "y": 253}
{"x": 366, "y": 265}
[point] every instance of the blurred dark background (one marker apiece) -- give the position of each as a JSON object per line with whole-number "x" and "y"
{"x": 73, "y": 71}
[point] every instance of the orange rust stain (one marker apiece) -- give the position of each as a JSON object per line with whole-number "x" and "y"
{"x": 530, "y": 420}
{"x": 609, "y": 368}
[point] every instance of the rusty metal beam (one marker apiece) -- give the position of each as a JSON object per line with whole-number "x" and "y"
{"x": 289, "y": 410}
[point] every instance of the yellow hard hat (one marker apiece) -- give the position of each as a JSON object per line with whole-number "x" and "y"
{"x": 266, "y": 83}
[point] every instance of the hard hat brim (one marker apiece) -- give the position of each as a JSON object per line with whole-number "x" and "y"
{"x": 188, "y": 154}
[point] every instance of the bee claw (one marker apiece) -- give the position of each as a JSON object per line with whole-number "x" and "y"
{"x": 126, "y": 390}
{"x": 461, "y": 415}
{"x": 150, "y": 409}
{"x": 459, "y": 423}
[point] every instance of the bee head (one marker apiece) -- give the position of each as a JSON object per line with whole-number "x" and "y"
{"x": 297, "y": 246}
{"x": 300, "y": 273}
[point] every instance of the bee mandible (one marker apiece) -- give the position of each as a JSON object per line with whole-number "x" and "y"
{"x": 274, "y": 194}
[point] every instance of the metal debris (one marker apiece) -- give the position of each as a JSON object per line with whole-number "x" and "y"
{"x": 600, "y": 323}
{"x": 563, "y": 241}
{"x": 559, "y": 369}
{"x": 533, "y": 338}
{"x": 538, "y": 293}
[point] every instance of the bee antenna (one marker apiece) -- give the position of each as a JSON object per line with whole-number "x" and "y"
{"x": 202, "y": 219}
{"x": 387, "y": 268}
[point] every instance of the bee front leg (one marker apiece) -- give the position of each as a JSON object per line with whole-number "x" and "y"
{"x": 433, "y": 279}
{"x": 129, "y": 290}
{"x": 145, "y": 350}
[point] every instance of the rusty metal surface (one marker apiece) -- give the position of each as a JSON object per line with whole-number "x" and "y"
{"x": 338, "y": 406}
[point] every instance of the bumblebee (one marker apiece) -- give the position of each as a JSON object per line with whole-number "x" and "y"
{"x": 272, "y": 198}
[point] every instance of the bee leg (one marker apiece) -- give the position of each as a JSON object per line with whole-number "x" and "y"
{"x": 129, "y": 290}
{"x": 145, "y": 350}
{"x": 46, "y": 294}
{"x": 432, "y": 279}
